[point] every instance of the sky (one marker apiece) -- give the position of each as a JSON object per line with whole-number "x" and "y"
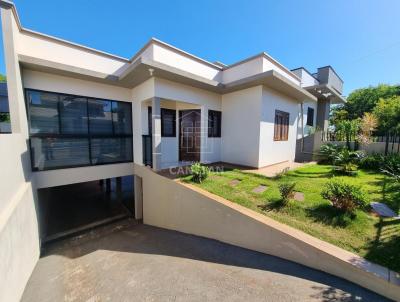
{"x": 360, "y": 39}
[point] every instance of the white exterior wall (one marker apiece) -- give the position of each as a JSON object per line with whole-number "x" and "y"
{"x": 187, "y": 97}
{"x": 268, "y": 64}
{"x": 241, "y": 114}
{"x": 19, "y": 236}
{"x": 243, "y": 70}
{"x": 303, "y": 127}
{"x": 306, "y": 78}
{"x": 61, "y": 84}
{"x": 43, "y": 48}
{"x": 272, "y": 152}
{"x": 169, "y": 57}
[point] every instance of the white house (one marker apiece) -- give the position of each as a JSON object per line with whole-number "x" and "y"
{"x": 83, "y": 116}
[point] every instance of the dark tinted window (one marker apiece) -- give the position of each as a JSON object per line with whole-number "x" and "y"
{"x": 57, "y": 152}
{"x": 168, "y": 122}
{"x": 214, "y": 123}
{"x": 43, "y": 112}
{"x": 122, "y": 117}
{"x": 73, "y": 115}
{"x": 310, "y": 116}
{"x": 68, "y": 131}
{"x": 100, "y": 118}
{"x": 109, "y": 150}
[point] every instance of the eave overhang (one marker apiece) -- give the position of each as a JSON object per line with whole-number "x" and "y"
{"x": 325, "y": 91}
{"x": 142, "y": 69}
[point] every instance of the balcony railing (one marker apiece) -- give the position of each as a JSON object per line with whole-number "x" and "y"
{"x": 147, "y": 150}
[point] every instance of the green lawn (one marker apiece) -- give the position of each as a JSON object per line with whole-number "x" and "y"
{"x": 363, "y": 233}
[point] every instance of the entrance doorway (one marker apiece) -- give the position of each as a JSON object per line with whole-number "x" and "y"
{"x": 68, "y": 209}
{"x": 189, "y": 135}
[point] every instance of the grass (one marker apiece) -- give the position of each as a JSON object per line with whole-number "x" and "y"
{"x": 375, "y": 239}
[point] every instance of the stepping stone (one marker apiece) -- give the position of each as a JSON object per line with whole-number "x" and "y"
{"x": 383, "y": 210}
{"x": 298, "y": 196}
{"x": 234, "y": 182}
{"x": 216, "y": 177}
{"x": 259, "y": 189}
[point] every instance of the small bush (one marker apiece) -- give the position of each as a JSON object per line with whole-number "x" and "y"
{"x": 287, "y": 190}
{"x": 372, "y": 162}
{"x": 391, "y": 166}
{"x": 329, "y": 151}
{"x": 343, "y": 195}
{"x": 199, "y": 172}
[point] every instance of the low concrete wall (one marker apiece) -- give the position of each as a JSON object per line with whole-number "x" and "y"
{"x": 185, "y": 208}
{"x": 377, "y": 147}
{"x": 19, "y": 243}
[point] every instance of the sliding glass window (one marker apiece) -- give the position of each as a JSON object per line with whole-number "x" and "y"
{"x": 72, "y": 131}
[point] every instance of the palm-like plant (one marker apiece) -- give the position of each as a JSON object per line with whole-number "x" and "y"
{"x": 347, "y": 161}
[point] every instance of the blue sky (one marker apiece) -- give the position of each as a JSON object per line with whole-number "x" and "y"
{"x": 360, "y": 39}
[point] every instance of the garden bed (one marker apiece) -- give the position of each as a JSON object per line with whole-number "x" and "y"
{"x": 363, "y": 233}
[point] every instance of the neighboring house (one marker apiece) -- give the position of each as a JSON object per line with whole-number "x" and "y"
{"x": 5, "y": 126}
{"x": 83, "y": 121}
{"x": 327, "y": 87}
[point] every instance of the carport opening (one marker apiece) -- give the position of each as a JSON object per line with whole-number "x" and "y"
{"x": 69, "y": 209}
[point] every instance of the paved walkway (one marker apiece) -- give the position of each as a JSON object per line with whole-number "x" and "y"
{"x": 273, "y": 170}
{"x": 124, "y": 262}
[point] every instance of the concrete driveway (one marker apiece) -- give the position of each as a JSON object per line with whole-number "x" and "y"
{"x": 127, "y": 262}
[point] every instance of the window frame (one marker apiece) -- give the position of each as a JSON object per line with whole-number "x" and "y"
{"x": 163, "y": 111}
{"x": 89, "y": 136}
{"x": 310, "y": 117}
{"x": 168, "y": 111}
{"x": 211, "y": 123}
{"x": 281, "y": 125}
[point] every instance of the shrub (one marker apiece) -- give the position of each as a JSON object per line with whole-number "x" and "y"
{"x": 347, "y": 161}
{"x": 372, "y": 162}
{"x": 287, "y": 190}
{"x": 329, "y": 151}
{"x": 199, "y": 172}
{"x": 391, "y": 166}
{"x": 343, "y": 195}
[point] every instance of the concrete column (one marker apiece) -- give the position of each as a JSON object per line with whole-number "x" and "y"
{"x": 204, "y": 133}
{"x": 323, "y": 114}
{"x": 138, "y": 197}
{"x": 156, "y": 135}
{"x": 16, "y": 101}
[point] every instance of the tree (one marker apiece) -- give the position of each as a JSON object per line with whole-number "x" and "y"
{"x": 387, "y": 112}
{"x": 348, "y": 129}
{"x": 363, "y": 100}
{"x": 3, "y": 78}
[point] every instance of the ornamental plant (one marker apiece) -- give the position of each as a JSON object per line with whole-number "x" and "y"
{"x": 286, "y": 190}
{"x": 343, "y": 195}
{"x": 199, "y": 172}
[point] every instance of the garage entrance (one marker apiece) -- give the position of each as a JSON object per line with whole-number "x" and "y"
{"x": 68, "y": 209}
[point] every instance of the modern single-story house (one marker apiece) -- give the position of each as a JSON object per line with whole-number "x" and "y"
{"x": 84, "y": 121}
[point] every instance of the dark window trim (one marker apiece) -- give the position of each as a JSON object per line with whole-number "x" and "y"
{"x": 150, "y": 121}
{"x": 211, "y": 115}
{"x": 168, "y": 111}
{"x": 310, "y": 117}
{"x": 281, "y": 125}
{"x": 88, "y": 136}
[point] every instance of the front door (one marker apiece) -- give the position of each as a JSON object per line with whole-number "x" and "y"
{"x": 189, "y": 135}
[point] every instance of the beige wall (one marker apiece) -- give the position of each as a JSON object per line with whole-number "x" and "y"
{"x": 241, "y": 115}
{"x": 272, "y": 152}
{"x": 177, "y": 207}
